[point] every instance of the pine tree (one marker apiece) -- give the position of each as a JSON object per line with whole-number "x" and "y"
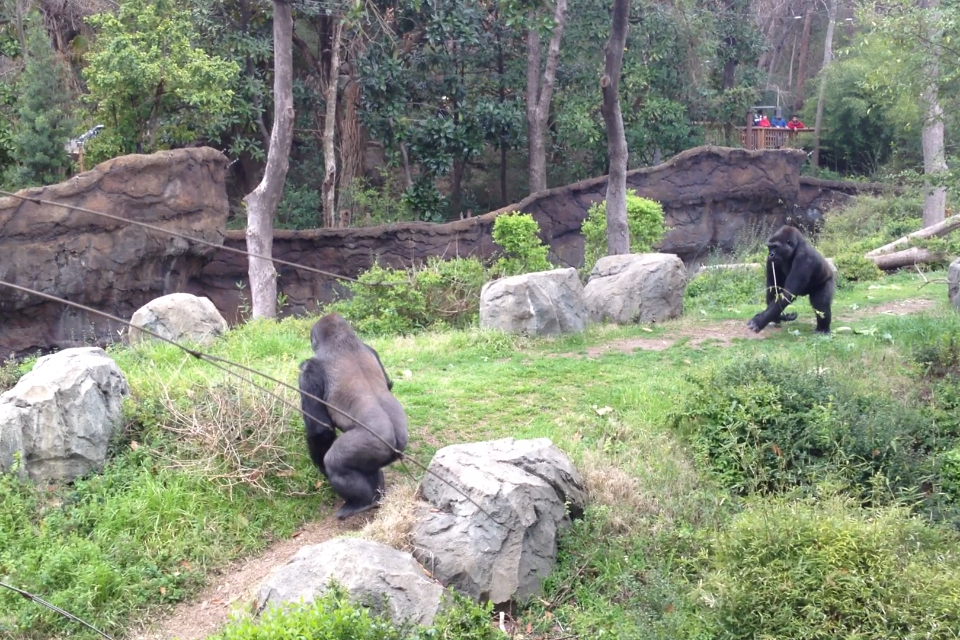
{"x": 43, "y": 123}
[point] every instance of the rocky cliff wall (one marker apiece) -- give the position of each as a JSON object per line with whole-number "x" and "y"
{"x": 709, "y": 194}
{"x": 109, "y": 265}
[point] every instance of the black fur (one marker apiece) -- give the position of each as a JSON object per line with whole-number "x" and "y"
{"x": 349, "y": 375}
{"x": 795, "y": 268}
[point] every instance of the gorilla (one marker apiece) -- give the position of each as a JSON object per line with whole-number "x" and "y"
{"x": 794, "y": 268}
{"x": 348, "y": 374}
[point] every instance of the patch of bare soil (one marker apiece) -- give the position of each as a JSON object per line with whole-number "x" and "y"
{"x": 232, "y": 588}
{"x": 721, "y": 333}
{"x": 891, "y": 308}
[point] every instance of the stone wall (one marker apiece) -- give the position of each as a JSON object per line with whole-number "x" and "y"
{"x": 111, "y": 266}
{"x": 709, "y": 194}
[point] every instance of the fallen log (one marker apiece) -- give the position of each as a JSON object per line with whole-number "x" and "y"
{"x": 906, "y": 258}
{"x": 940, "y": 229}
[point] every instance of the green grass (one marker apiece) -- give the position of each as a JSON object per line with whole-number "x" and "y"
{"x": 129, "y": 542}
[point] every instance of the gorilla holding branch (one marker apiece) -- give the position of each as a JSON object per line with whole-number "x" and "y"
{"x": 348, "y": 374}
{"x": 795, "y": 268}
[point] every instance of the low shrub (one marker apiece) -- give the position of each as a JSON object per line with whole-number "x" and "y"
{"x": 644, "y": 219}
{"x": 868, "y": 222}
{"x": 441, "y": 293}
{"x": 763, "y": 424}
{"x": 815, "y": 570}
{"x": 523, "y": 250}
{"x": 853, "y": 267}
{"x": 725, "y": 288}
{"x": 334, "y": 617}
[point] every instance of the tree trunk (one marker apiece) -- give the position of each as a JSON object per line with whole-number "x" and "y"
{"x": 502, "y": 90}
{"x": 20, "y": 9}
{"x": 618, "y": 233}
{"x": 935, "y": 231}
{"x": 540, "y": 93}
{"x": 906, "y": 258}
{"x": 262, "y": 201}
{"x": 330, "y": 129}
{"x": 804, "y": 54}
{"x": 827, "y": 57}
{"x": 931, "y": 136}
{"x": 793, "y": 58}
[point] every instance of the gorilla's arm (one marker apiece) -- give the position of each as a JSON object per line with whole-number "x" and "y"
{"x": 316, "y": 419}
{"x": 377, "y": 356}
{"x": 798, "y": 280}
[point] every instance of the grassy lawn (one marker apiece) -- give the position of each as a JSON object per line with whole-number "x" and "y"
{"x": 142, "y": 535}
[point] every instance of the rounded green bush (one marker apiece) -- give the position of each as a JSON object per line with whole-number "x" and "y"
{"x": 820, "y": 570}
{"x": 644, "y": 219}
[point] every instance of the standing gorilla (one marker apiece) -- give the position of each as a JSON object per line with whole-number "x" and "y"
{"x": 794, "y": 268}
{"x": 349, "y": 375}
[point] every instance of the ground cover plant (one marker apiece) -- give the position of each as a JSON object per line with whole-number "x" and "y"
{"x": 740, "y": 485}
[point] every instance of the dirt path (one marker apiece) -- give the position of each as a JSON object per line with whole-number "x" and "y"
{"x": 723, "y": 333}
{"x": 233, "y": 587}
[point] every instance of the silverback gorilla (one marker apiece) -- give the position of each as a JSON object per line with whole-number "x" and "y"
{"x": 794, "y": 268}
{"x": 348, "y": 374}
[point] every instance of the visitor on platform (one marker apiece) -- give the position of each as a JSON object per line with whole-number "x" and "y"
{"x": 756, "y": 119}
{"x": 778, "y": 122}
{"x": 763, "y": 121}
{"x": 795, "y": 123}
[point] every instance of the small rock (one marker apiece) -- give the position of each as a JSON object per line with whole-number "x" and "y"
{"x": 953, "y": 283}
{"x": 61, "y": 415}
{"x": 388, "y": 581}
{"x": 542, "y": 303}
{"x": 179, "y": 316}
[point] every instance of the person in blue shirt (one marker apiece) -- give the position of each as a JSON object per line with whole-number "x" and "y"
{"x": 778, "y": 122}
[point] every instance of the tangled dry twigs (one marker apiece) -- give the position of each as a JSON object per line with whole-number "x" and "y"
{"x": 231, "y": 434}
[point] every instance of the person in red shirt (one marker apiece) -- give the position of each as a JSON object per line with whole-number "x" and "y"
{"x": 795, "y": 123}
{"x": 764, "y": 122}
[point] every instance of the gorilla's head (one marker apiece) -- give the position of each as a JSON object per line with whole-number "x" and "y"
{"x": 329, "y": 329}
{"x": 783, "y": 244}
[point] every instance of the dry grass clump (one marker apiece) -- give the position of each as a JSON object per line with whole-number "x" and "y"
{"x": 626, "y": 503}
{"x": 393, "y": 523}
{"x": 229, "y": 433}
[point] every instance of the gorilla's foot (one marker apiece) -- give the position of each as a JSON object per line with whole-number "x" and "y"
{"x": 348, "y": 510}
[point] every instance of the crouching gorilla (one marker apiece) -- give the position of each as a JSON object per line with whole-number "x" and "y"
{"x": 794, "y": 268}
{"x": 348, "y": 375}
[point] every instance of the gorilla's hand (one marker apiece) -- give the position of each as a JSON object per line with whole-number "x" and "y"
{"x": 754, "y": 324}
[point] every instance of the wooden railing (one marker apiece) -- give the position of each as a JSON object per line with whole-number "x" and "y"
{"x": 768, "y": 137}
{"x": 760, "y": 138}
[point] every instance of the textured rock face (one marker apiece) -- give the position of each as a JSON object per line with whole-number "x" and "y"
{"x": 61, "y": 415}
{"x": 110, "y": 266}
{"x": 543, "y": 303}
{"x": 527, "y": 486}
{"x": 636, "y": 288}
{"x": 179, "y": 316}
{"x": 709, "y": 196}
{"x": 388, "y": 581}
{"x": 953, "y": 283}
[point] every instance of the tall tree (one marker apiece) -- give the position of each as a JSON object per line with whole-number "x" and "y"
{"x": 827, "y": 58}
{"x": 540, "y": 92}
{"x": 262, "y": 201}
{"x": 618, "y": 233}
{"x": 804, "y": 55}
{"x": 43, "y": 121}
{"x": 934, "y": 158}
{"x": 330, "y": 217}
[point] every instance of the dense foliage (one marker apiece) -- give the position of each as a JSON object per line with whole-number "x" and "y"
{"x": 644, "y": 220}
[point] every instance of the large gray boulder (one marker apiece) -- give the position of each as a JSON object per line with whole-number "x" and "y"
{"x": 388, "y": 581}
{"x": 60, "y": 416}
{"x": 179, "y": 316}
{"x": 953, "y": 283}
{"x": 529, "y": 490}
{"x": 626, "y": 289}
{"x": 542, "y": 303}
